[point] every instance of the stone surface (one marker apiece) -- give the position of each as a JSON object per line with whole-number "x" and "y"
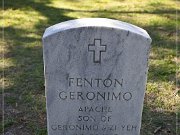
{"x": 95, "y": 75}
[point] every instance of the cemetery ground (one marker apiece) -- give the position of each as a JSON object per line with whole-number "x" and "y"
{"x": 24, "y": 23}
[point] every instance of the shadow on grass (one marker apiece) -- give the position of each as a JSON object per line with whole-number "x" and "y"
{"x": 27, "y": 72}
{"x": 27, "y": 109}
{"x": 52, "y": 14}
{"x": 157, "y": 122}
{"x": 19, "y": 35}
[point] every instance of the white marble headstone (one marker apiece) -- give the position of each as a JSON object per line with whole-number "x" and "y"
{"x": 95, "y": 74}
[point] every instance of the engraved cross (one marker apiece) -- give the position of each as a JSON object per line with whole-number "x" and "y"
{"x": 97, "y": 49}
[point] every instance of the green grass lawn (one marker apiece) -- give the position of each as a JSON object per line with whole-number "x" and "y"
{"x": 24, "y": 24}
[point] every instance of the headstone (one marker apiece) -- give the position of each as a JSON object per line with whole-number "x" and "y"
{"x": 95, "y": 75}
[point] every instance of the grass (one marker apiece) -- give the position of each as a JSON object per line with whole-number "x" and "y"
{"x": 24, "y": 23}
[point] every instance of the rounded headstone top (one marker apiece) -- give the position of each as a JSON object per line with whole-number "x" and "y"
{"x": 95, "y": 22}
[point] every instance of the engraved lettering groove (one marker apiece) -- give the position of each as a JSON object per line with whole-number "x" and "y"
{"x": 97, "y": 49}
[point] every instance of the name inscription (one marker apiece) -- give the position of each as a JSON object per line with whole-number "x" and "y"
{"x": 83, "y": 127}
{"x": 103, "y": 89}
{"x": 94, "y": 82}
